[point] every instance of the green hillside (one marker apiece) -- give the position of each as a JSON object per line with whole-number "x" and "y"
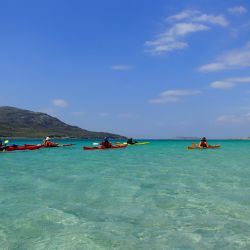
{"x": 15, "y": 122}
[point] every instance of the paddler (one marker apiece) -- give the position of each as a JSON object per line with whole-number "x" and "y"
{"x": 48, "y": 143}
{"x": 203, "y": 143}
{"x": 131, "y": 141}
{"x": 106, "y": 143}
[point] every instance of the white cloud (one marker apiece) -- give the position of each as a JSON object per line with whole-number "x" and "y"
{"x": 121, "y": 67}
{"x": 180, "y": 26}
{"x": 240, "y": 80}
{"x": 186, "y": 14}
{"x": 222, "y": 85}
{"x": 168, "y": 40}
{"x": 231, "y": 60}
{"x": 243, "y": 118}
{"x": 183, "y": 29}
{"x": 216, "y": 20}
{"x": 60, "y": 103}
{"x": 237, "y": 10}
{"x": 212, "y": 67}
{"x": 199, "y": 17}
{"x": 173, "y": 96}
{"x": 229, "y": 83}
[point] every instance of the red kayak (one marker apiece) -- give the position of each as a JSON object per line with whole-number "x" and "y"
{"x": 23, "y": 147}
{"x": 103, "y": 148}
{"x": 31, "y": 147}
{"x": 58, "y": 145}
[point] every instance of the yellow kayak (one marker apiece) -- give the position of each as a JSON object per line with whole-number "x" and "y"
{"x": 139, "y": 143}
{"x": 197, "y": 147}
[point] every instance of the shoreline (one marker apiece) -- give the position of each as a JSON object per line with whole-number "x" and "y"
{"x": 141, "y": 139}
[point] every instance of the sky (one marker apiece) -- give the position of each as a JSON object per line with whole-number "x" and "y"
{"x": 139, "y": 68}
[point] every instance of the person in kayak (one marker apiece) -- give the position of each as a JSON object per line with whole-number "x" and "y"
{"x": 106, "y": 143}
{"x": 48, "y": 143}
{"x": 203, "y": 143}
{"x": 131, "y": 141}
{"x": 3, "y": 144}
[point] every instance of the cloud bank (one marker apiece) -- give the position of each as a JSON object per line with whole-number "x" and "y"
{"x": 234, "y": 59}
{"x": 181, "y": 25}
{"x": 229, "y": 83}
{"x": 173, "y": 96}
{"x": 60, "y": 103}
{"x": 237, "y": 10}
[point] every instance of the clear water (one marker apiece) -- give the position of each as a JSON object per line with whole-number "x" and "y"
{"x": 156, "y": 196}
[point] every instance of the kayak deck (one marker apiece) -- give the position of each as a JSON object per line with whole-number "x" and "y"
{"x": 139, "y": 143}
{"x": 103, "y": 148}
{"x": 58, "y": 145}
{"x": 197, "y": 147}
{"x": 134, "y": 144}
{"x": 30, "y": 147}
{"x": 23, "y": 147}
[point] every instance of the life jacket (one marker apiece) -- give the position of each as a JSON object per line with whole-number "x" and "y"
{"x": 204, "y": 144}
{"x": 106, "y": 144}
{"x": 130, "y": 141}
{"x": 49, "y": 144}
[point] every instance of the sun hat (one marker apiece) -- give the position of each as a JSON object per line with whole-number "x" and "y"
{"x": 47, "y": 138}
{"x": 203, "y": 139}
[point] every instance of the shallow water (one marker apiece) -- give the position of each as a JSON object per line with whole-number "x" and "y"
{"x": 156, "y": 196}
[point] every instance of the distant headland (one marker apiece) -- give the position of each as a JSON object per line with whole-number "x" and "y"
{"x": 20, "y": 123}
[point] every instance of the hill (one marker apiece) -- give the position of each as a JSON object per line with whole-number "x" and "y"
{"x": 15, "y": 122}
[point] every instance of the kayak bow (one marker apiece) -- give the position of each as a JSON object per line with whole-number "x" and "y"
{"x": 197, "y": 147}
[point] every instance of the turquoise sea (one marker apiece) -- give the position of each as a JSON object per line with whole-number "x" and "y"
{"x": 156, "y": 196}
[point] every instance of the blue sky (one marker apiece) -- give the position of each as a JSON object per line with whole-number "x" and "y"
{"x": 141, "y": 68}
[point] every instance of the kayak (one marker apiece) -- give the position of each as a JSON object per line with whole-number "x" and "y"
{"x": 31, "y": 147}
{"x": 58, "y": 145}
{"x": 135, "y": 144}
{"x": 23, "y": 147}
{"x": 196, "y": 147}
{"x": 103, "y": 148}
{"x": 139, "y": 143}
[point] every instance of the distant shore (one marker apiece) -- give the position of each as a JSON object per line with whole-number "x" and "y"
{"x": 148, "y": 139}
